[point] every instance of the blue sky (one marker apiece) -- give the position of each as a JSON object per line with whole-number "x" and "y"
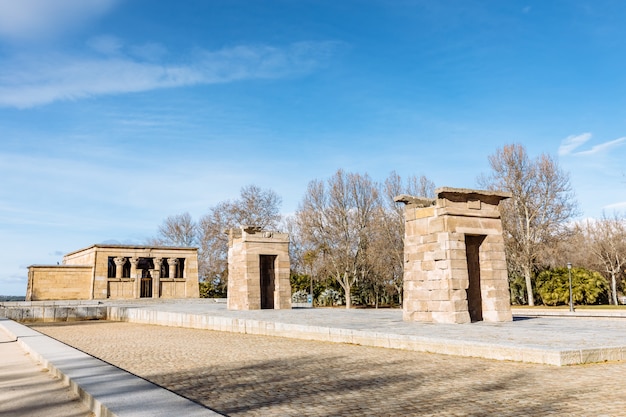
{"x": 115, "y": 114}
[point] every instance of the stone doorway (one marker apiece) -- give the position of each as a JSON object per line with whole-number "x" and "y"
{"x": 146, "y": 285}
{"x": 474, "y": 294}
{"x": 267, "y": 280}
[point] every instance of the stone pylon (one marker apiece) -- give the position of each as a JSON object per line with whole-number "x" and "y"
{"x": 258, "y": 269}
{"x": 455, "y": 266}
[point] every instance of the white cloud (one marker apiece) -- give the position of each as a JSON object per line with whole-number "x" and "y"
{"x": 616, "y": 206}
{"x": 572, "y": 142}
{"x": 29, "y": 82}
{"x": 41, "y": 19}
{"x": 603, "y": 146}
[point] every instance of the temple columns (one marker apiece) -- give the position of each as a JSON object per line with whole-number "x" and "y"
{"x": 156, "y": 278}
{"x": 134, "y": 275}
{"x": 172, "y": 262}
{"x": 119, "y": 266}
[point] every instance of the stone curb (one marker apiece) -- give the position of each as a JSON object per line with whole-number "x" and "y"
{"x": 107, "y": 390}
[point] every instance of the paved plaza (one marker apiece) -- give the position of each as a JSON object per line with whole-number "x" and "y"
{"x": 327, "y": 362}
{"x": 252, "y": 375}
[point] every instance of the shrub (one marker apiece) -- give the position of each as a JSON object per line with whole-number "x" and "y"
{"x": 301, "y": 296}
{"x": 330, "y": 297}
{"x": 210, "y": 289}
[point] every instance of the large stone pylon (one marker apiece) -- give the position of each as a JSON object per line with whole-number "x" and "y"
{"x": 455, "y": 266}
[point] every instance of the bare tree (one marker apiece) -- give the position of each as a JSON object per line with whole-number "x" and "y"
{"x": 388, "y": 248}
{"x": 336, "y": 219}
{"x": 177, "y": 230}
{"x": 254, "y": 207}
{"x": 606, "y": 239}
{"x": 213, "y": 254}
{"x": 541, "y": 205}
{"x": 297, "y": 253}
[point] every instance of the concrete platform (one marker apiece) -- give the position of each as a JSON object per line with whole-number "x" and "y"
{"x": 571, "y": 340}
{"x": 105, "y": 389}
{"x": 545, "y": 336}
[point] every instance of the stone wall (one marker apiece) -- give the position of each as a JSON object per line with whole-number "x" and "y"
{"x": 58, "y": 282}
{"x": 173, "y": 288}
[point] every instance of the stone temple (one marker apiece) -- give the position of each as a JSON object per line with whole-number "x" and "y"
{"x": 455, "y": 266}
{"x": 258, "y": 269}
{"x": 117, "y": 272}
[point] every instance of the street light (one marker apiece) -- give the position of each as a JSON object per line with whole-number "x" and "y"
{"x": 571, "y": 302}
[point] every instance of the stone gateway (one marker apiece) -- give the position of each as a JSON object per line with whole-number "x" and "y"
{"x": 258, "y": 269}
{"x": 455, "y": 266}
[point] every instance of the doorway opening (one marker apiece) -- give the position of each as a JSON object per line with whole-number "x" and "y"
{"x": 146, "y": 287}
{"x": 145, "y": 265}
{"x": 474, "y": 295}
{"x": 266, "y": 263}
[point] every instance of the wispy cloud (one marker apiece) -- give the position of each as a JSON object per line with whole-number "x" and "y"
{"x": 616, "y": 206}
{"x": 29, "y": 20}
{"x": 27, "y": 82}
{"x": 571, "y": 143}
{"x": 604, "y": 146}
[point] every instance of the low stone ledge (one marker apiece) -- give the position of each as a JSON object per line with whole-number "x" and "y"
{"x": 108, "y": 391}
{"x": 77, "y": 312}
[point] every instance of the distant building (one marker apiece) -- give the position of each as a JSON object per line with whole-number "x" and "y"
{"x": 117, "y": 272}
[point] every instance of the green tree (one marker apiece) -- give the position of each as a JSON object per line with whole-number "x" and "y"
{"x": 517, "y": 287}
{"x": 212, "y": 289}
{"x": 588, "y": 287}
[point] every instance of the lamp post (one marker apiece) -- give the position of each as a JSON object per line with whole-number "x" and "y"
{"x": 571, "y": 302}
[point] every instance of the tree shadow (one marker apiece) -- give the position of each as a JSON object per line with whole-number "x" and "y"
{"x": 350, "y": 380}
{"x": 297, "y": 387}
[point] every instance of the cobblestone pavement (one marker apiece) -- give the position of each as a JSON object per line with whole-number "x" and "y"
{"x": 248, "y": 375}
